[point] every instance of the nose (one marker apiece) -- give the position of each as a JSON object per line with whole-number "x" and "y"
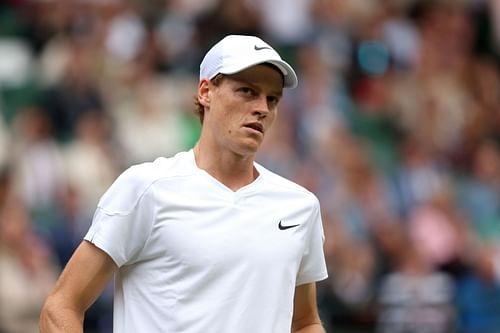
{"x": 261, "y": 106}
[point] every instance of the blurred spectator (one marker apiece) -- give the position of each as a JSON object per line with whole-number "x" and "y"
{"x": 483, "y": 118}
{"x": 415, "y": 298}
{"x": 91, "y": 160}
{"x": 148, "y": 110}
{"x": 15, "y": 62}
{"x": 126, "y": 32}
{"x": 479, "y": 193}
{"x": 227, "y": 17}
{"x": 418, "y": 177}
{"x": 37, "y": 165}
{"x": 17, "y": 72}
{"x": 400, "y": 34}
{"x": 314, "y": 105}
{"x": 292, "y": 26}
{"x": 332, "y": 34}
{"x": 76, "y": 94}
{"x": 27, "y": 271}
{"x": 44, "y": 20}
{"x": 358, "y": 207}
{"x": 440, "y": 231}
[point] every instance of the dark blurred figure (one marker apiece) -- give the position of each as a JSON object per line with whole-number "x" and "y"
{"x": 236, "y": 16}
{"x": 76, "y": 94}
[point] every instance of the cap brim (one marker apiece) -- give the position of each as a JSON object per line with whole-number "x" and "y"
{"x": 290, "y": 79}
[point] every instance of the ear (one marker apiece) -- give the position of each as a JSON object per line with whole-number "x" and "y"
{"x": 204, "y": 92}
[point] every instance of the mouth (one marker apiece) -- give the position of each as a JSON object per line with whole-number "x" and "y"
{"x": 256, "y": 126}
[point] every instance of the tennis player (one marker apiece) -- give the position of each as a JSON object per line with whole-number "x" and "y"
{"x": 206, "y": 241}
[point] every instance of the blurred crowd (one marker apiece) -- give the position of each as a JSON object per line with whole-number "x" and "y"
{"x": 395, "y": 126}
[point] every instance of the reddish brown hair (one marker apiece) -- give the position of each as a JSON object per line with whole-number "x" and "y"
{"x": 199, "y": 109}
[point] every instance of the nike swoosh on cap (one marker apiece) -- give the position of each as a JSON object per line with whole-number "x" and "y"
{"x": 258, "y": 48}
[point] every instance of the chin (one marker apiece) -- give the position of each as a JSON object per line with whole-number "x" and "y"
{"x": 248, "y": 149}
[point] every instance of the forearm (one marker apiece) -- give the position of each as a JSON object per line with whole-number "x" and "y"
{"x": 313, "y": 328}
{"x": 57, "y": 319}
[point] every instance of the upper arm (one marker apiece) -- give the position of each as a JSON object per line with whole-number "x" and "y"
{"x": 305, "y": 310}
{"x": 83, "y": 279}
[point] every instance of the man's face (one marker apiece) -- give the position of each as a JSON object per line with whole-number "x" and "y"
{"x": 241, "y": 109}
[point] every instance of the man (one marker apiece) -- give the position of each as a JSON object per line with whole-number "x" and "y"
{"x": 208, "y": 240}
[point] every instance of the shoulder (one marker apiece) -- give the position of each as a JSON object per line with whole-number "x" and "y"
{"x": 287, "y": 188}
{"x": 160, "y": 168}
{"x": 141, "y": 176}
{"x": 135, "y": 182}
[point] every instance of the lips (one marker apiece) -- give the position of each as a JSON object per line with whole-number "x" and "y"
{"x": 255, "y": 126}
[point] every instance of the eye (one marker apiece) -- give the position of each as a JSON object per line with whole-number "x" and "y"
{"x": 272, "y": 100}
{"x": 246, "y": 91}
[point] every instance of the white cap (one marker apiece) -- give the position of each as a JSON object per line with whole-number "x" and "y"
{"x": 235, "y": 53}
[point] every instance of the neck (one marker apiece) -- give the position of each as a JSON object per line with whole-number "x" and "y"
{"x": 231, "y": 169}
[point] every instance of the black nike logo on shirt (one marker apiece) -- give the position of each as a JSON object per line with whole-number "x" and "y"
{"x": 284, "y": 227}
{"x": 257, "y": 48}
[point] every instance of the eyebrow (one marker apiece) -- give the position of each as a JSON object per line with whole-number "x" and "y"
{"x": 279, "y": 94}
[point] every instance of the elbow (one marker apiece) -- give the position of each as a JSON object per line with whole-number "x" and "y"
{"x": 56, "y": 316}
{"x": 48, "y": 316}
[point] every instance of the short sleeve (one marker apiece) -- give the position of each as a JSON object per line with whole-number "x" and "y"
{"x": 313, "y": 265}
{"x": 124, "y": 217}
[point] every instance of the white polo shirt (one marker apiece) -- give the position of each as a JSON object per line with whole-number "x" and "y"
{"x": 196, "y": 257}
